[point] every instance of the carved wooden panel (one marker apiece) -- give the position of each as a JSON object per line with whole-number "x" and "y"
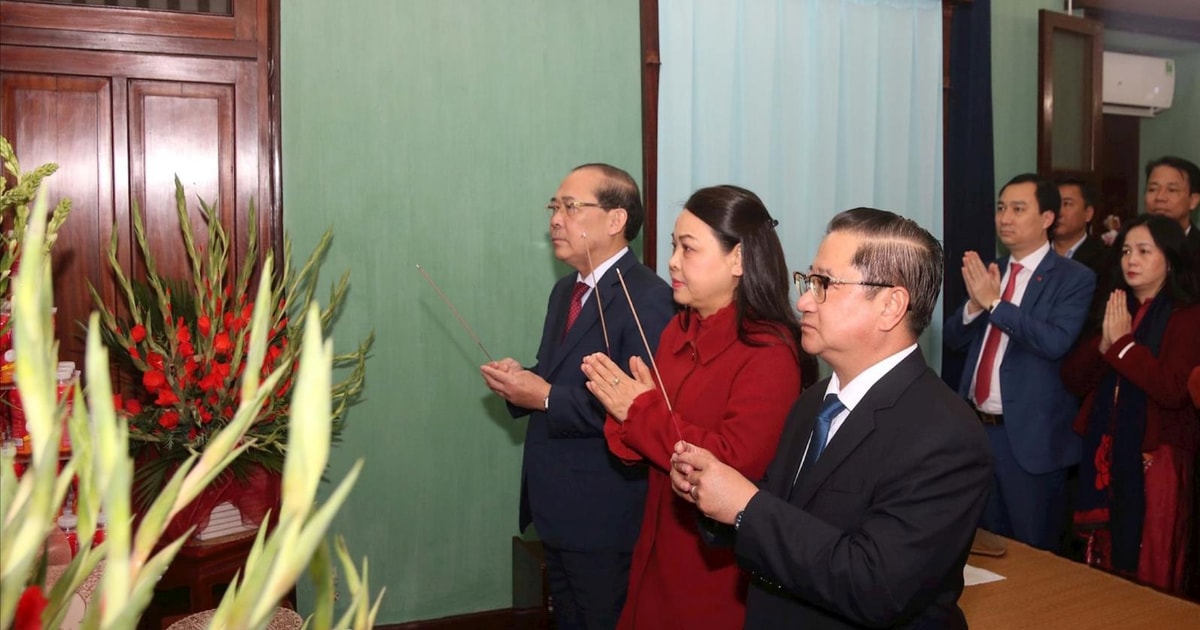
{"x": 200, "y": 153}
{"x": 68, "y": 120}
{"x": 124, "y": 99}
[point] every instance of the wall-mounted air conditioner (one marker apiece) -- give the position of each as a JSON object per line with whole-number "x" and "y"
{"x": 1136, "y": 85}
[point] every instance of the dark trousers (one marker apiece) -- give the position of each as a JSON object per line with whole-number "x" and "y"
{"x": 587, "y": 589}
{"x": 1024, "y": 506}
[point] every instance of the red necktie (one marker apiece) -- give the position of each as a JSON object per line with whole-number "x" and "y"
{"x": 983, "y": 378}
{"x": 576, "y": 305}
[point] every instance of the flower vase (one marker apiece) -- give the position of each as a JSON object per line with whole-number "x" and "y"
{"x": 232, "y": 506}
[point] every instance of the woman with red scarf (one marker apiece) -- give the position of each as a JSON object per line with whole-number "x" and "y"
{"x": 730, "y": 367}
{"x": 1139, "y": 426}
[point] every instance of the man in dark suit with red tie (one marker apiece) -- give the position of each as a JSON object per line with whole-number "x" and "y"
{"x": 1016, "y": 338}
{"x": 866, "y": 514}
{"x": 585, "y": 504}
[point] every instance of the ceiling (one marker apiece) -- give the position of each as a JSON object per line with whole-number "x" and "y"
{"x": 1169, "y": 19}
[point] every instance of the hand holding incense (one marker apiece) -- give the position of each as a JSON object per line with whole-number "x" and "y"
{"x": 649, "y": 353}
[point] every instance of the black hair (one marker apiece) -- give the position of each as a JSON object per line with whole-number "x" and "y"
{"x": 619, "y": 190}
{"x": 1048, "y": 197}
{"x": 1181, "y": 283}
{"x": 738, "y": 217}
{"x": 1190, "y": 171}
{"x": 896, "y": 251}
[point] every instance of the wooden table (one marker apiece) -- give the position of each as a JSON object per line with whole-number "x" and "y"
{"x": 203, "y": 566}
{"x": 1043, "y": 590}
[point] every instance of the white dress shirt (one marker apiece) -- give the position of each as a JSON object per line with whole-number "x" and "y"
{"x": 1028, "y": 264}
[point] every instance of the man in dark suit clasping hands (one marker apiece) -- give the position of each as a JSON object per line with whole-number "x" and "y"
{"x": 867, "y": 512}
{"x": 585, "y": 504}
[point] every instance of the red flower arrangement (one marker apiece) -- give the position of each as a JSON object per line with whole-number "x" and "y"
{"x": 185, "y": 344}
{"x": 30, "y": 608}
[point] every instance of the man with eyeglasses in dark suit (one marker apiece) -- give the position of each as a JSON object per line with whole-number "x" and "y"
{"x": 866, "y": 514}
{"x": 585, "y": 504}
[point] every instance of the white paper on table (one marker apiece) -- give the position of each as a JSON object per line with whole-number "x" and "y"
{"x": 975, "y": 575}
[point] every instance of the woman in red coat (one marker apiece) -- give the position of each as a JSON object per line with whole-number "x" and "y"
{"x": 1139, "y": 426}
{"x": 729, "y": 363}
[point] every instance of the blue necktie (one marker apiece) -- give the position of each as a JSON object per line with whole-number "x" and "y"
{"x": 829, "y": 410}
{"x": 816, "y": 445}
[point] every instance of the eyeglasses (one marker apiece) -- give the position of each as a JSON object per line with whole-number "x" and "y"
{"x": 571, "y": 207}
{"x": 818, "y": 284}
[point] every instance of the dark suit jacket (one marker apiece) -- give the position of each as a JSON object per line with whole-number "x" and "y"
{"x": 1095, "y": 255}
{"x": 579, "y": 496}
{"x": 877, "y": 531}
{"x": 1038, "y": 409}
{"x": 1193, "y": 241}
{"x": 1104, "y": 261}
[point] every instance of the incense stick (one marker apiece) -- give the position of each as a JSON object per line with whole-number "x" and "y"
{"x": 596, "y": 287}
{"x": 650, "y": 354}
{"x": 456, "y": 314}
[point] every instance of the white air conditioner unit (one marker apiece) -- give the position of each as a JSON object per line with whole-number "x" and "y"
{"x": 1136, "y": 85}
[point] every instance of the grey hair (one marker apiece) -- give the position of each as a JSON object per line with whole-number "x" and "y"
{"x": 896, "y": 251}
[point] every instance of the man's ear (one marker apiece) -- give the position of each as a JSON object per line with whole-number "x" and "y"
{"x": 617, "y": 217}
{"x": 895, "y": 308}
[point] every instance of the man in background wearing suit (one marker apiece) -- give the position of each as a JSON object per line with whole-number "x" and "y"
{"x": 1173, "y": 190}
{"x": 1072, "y": 234}
{"x": 866, "y": 514}
{"x": 585, "y": 504}
{"x": 1072, "y": 238}
{"x": 1015, "y": 339}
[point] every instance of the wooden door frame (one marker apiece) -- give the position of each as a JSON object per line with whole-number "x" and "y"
{"x": 1048, "y": 23}
{"x": 651, "y": 63}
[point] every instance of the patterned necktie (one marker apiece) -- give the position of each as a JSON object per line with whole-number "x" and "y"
{"x": 576, "y": 306}
{"x": 983, "y": 377}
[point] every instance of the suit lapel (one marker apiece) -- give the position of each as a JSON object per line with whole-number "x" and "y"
{"x": 858, "y": 425}
{"x": 589, "y": 318}
{"x": 1037, "y": 282}
{"x": 804, "y": 416}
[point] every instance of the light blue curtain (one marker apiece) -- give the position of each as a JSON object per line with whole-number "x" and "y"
{"x": 816, "y": 105}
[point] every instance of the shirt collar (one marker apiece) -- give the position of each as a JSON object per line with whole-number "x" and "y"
{"x": 1074, "y": 248}
{"x": 1034, "y": 258}
{"x": 854, "y": 391}
{"x": 601, "y": 269}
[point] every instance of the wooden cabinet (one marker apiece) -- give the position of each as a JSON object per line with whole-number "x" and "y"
{"x": 124, "y": 100}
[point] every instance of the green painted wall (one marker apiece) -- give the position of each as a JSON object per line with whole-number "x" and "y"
{"x": 433, "y": 132}
{"x": 1177, "y": 130}
{"x": 1014, "y": 89}
{"x": 1015, "y": 84}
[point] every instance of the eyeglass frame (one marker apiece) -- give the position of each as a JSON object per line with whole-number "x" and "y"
{"x": 802, "y": 280}
{"x": 572, "y": 208}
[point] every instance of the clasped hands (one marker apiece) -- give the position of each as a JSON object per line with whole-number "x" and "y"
{"x": 615, "y": 389}
{"x": 699, "y": 478}
{"x": 982, "y": 282}
{"x": 514, "y": 383}
{"x": 1117, "y": 321}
